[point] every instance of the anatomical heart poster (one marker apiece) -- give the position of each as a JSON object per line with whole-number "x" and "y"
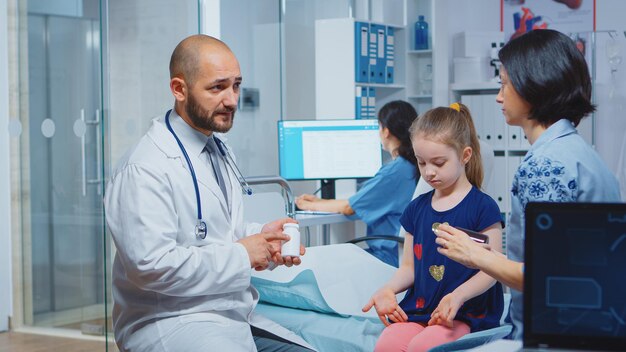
{"x": 566, "y": 16}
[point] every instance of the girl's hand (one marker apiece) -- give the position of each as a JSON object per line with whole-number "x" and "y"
{"x": 305, "y": 201}
{"x": 446, "y": 310}
{"x": 384, "y": 300}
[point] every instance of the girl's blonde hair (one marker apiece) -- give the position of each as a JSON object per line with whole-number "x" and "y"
{"x": 454, "y": 128}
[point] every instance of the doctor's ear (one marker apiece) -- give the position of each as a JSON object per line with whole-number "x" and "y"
{"x": 178, "y": 86}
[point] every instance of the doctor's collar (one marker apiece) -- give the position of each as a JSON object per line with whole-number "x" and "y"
{"x": 193, "y": 139}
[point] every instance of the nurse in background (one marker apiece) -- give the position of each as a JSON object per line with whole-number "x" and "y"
{"x": 382, "y": 199}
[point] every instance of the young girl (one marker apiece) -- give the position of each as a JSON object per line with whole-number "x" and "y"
{"x": 445, "y": 300}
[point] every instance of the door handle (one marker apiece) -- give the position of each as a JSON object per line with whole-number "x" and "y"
{"x": 98, "y": 180}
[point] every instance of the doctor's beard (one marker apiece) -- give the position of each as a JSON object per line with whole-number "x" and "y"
{"x": 205, "y": 119}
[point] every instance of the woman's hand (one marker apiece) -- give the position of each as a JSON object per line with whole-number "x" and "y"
{"x": 386, "y": 305}
{"x": 446, "y": 310}
{"x": 306, "y": 201}
{"x": 458, "y": 246}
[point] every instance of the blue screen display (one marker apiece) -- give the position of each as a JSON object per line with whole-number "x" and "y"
{"x": 576, "y": 255}
{"x": 328, "y": 149}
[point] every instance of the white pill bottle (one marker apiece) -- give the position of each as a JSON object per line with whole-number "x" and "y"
{"x": 292, "y": 247}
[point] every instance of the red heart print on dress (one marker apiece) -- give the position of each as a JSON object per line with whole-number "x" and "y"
{"x": 417, "y": 249}
{"x": 419, "y": 303}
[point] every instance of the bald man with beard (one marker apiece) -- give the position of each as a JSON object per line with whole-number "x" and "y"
{"x": 176, "y": 288}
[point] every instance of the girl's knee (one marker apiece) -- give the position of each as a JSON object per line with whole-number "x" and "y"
{"x": 396, "y": 337}
{"x": 436, "y": 335}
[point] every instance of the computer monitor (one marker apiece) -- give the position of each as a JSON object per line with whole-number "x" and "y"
{"x": 328, "y": 149}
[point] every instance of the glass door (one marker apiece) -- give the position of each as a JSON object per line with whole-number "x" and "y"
{"x": 64, "y": 264}
{"x": 92, "y": 75}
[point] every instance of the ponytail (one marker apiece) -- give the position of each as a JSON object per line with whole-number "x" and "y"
{"x": 474, "y": 167}
{"x": 397, "y": 116}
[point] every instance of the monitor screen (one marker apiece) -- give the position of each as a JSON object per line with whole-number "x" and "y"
{"x": 328, "y": 149}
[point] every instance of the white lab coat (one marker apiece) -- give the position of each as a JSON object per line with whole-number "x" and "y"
{"x": 162, "y": 273}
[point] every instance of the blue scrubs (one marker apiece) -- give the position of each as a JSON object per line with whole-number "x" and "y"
{"x": 381, "y": 201}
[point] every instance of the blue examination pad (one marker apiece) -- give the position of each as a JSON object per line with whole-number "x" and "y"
{"x": 338, "y": 278}
{"x": 300, "y": 293}
{"x": 326, "y": 332}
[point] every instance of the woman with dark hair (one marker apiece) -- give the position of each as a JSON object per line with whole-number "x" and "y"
{"x": 382, "y": 199}
{"x": 546, "y": 90}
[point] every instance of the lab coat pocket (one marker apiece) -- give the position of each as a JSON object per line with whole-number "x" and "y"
{"x": 209, "y": 318}
{"x": 181, "y": 333}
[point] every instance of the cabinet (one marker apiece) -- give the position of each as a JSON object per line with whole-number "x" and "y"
{"x": 335, "y": 66}
{"x": 336, "y": 57}
{"x": 420, "y": 69}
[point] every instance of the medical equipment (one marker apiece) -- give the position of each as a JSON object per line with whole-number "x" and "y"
{"x": 475, "y": 236}
{"x": 328, "y": 149}
{"x": 201, "y": 228}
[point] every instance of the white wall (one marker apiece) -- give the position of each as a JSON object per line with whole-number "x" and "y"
{"x": 5, "y": 188}
{"x": 610, "y": 117}
{"x": 142, "y": 35}
{"x": 250, "y": 28}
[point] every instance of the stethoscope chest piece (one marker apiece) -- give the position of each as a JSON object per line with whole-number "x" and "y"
{"x": 201, "y": 230}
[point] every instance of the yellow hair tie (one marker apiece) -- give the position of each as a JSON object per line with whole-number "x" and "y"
{"x": 455, "y": 106}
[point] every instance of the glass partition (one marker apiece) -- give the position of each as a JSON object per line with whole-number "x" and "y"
{"x": 61, "y": 145}
{"x": 92, "y": 74}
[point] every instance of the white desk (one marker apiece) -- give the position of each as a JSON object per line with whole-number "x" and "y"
{"x": 324, "y": 220}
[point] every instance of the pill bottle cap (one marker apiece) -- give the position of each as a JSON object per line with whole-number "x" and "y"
{"x": 290, "y": 224}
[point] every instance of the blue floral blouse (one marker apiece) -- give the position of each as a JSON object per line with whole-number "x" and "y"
{"x": 559, "y": 167}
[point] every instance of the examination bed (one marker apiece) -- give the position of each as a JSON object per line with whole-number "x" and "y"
{"x": 321, "y": 300}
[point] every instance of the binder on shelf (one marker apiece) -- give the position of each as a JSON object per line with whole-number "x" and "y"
{"x": 489, "y": 122}
{"x": 357, "y": 103}
{"x": 514, "y": 137}
{"x": 500, "y": 178}
{"x": 371, "y": 102}
{"x": 476, "y": 107}
{"x": 381, "y": 59}
{"x": 498, "y": 121}
{"x": 361, "y": 52}
{"x": 513, "y": 164}
{"x": 361, "y": 101}
{"x": 373, "y": 53}
{"x": 524, "y": 143}
{"x": 390, "y": 56}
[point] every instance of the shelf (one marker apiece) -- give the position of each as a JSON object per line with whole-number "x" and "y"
{"x": 475, "y": 86}
{"x": 420, "y": 97}
{"x": 380, "y": 85}
{"x": 419, "y": 52}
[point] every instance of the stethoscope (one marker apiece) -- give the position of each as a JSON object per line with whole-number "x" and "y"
{"x": 245, "y": 188}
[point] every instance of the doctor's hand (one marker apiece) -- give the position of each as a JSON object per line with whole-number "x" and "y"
{"x": 262, "y": 248}
{"x": 306, "y": 202}
{"x": 277, "y": 257}
{"x": 387, "y": 307}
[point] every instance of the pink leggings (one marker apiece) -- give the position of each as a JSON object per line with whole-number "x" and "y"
{"x": 413, "y": 337}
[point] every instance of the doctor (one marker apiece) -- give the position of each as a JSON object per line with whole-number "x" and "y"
{"x": 181, "y": 275}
